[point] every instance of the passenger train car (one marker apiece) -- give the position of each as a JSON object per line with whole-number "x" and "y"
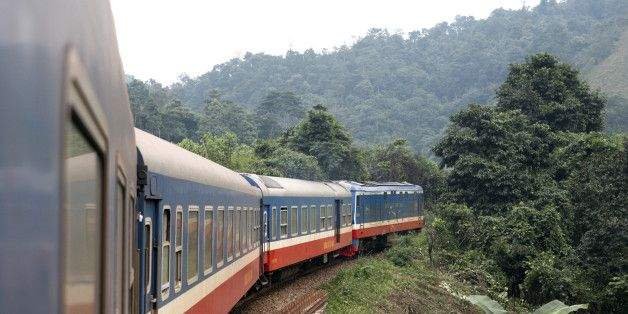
{"x": 67, "y": 162}
{"x": 199, "y": 232}
{"x": 100, "y": 218}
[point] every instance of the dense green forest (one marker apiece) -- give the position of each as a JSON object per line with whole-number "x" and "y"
{"x": 527, "y": 198}
{"x": 390, "y": 85}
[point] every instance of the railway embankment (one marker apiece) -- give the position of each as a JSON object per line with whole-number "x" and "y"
{"x": 401, "y": 280}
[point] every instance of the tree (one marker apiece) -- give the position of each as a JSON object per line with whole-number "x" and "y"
{"x": 223, "y": 116}
{"x": 178, "y": 122}
{"x": 397, "y": 162}
{"x": 550, "y": 92}
{"x": 322, "y": 136}
{"x": 277, "y": 112}
{"x": 498, "y": 159}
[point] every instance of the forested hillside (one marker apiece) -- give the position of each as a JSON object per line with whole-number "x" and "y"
{"x": 407, "y": 85}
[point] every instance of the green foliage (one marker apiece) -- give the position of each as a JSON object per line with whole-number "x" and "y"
{"x": 225, "y": 150}
{"x": 388, "y": 85}
{"x": 322, "y": 136}
{"x": 178, "y": 122}
{"x": 401, "y": 281}
{"x": 281, "y": 161}
{"x": 277, "y": 112}
{"x": 550, "y": 92}
{"x": 222, "y": 116}
{"x": 547, "y": 277}
{"x": 544, "y": 196}
{"x": 397, "y": 162}
{"x": 498, "y": 158}
{"x": 617, "y": 114}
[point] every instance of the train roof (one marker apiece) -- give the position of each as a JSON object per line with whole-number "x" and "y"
{"x": 279, "y": 186}
{"x": 380, "y": 187}
{"x": 171, "y": 160}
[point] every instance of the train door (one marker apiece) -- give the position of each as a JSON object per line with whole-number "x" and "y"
{"x": 147, "y": 233}
{"x": 338, "y": 205}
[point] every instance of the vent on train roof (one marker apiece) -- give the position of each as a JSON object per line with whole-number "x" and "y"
{"x": 270, "y": 182}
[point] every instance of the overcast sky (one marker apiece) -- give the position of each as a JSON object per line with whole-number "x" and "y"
{"x": 162, "y": 39}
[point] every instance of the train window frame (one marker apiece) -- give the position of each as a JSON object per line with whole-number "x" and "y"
{"x": 193, "y": 279}
{"x": 166, "y": 235}
{"x": 303, "y": 220}
{"x": 149, "y": 223}
{"x": 283, "y": 210}
{"x": 229, "y": 219}
{"x": 274, "y": 231}
{"x": 237, "y": 224}
{"x": 294, "y": 221}
{"x": 120, "y": 244}
{"x": 82, "y": 110}
{"x": 255, "y": 226}
{"x": 312, "y": 217}
{"x": 322, "y": 215}
{"x": 350, "y": 214}
{"x": 208, "y": 212}
{"x": 220, "y": 244}
{"x": 178, "y": 249}
{"x": 249, "y": 228}
{"x": 328, "y": 219}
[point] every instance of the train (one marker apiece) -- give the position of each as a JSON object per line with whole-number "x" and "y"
{"x": 100, "y": 217}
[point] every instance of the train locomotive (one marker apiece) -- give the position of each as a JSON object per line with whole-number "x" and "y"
{"x": 101, "y": 217}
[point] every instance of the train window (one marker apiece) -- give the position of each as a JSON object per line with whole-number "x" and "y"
{"x": 178, "y": 247}
{"x": 220, "y": 232}
{"x": 322, "y": 213}
{"x": 229, "y": 233}
{"x": 256, "y": 235}
{"x": 283, "y": 222}
{"x": 303, "y": 219}
{"x": 273, "y": 226}
{"x": 236, "y": 231}
{"x": 294, "y": 220}
{"x": 192, "y": 249}
{"x": 207, "y": 239}
{"x": 165, "y": 252}
{"x": 243, "y": 230}
{"x": 350, "y": 214}
{"x": 249, "y": 237}
{"x": 83, "y": 199}
{"x": 148, "y": 253}
{"x": 312, "y": 219}
{"x": 328, "y": 218}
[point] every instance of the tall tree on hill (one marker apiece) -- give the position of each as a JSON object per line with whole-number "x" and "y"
{"x": 222, "y": 116}
{"x": 550, "y": 92}
{"x": 322, "y": 136}
{"x": 277, "y": 112}
{"x": 179, "y": 122}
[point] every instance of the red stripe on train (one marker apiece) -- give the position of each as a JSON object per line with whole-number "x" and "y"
{"x": 286, "y": 256}
{"x": 390, "y": 228}
{"x": 225, "y": 296}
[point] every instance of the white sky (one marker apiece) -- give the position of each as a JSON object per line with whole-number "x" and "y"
{"x": 162, "y": 39}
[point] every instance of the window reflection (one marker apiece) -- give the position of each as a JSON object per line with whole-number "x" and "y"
{"x": 82, "y": 221}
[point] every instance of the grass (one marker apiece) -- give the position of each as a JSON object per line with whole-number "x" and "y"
{"x": 399, "y": 281}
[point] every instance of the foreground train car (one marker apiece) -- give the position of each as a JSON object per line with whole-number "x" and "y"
{"x": 199, "y": 235}
{"x": 384, "y": 208}
{"x": 67, "y": 163}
